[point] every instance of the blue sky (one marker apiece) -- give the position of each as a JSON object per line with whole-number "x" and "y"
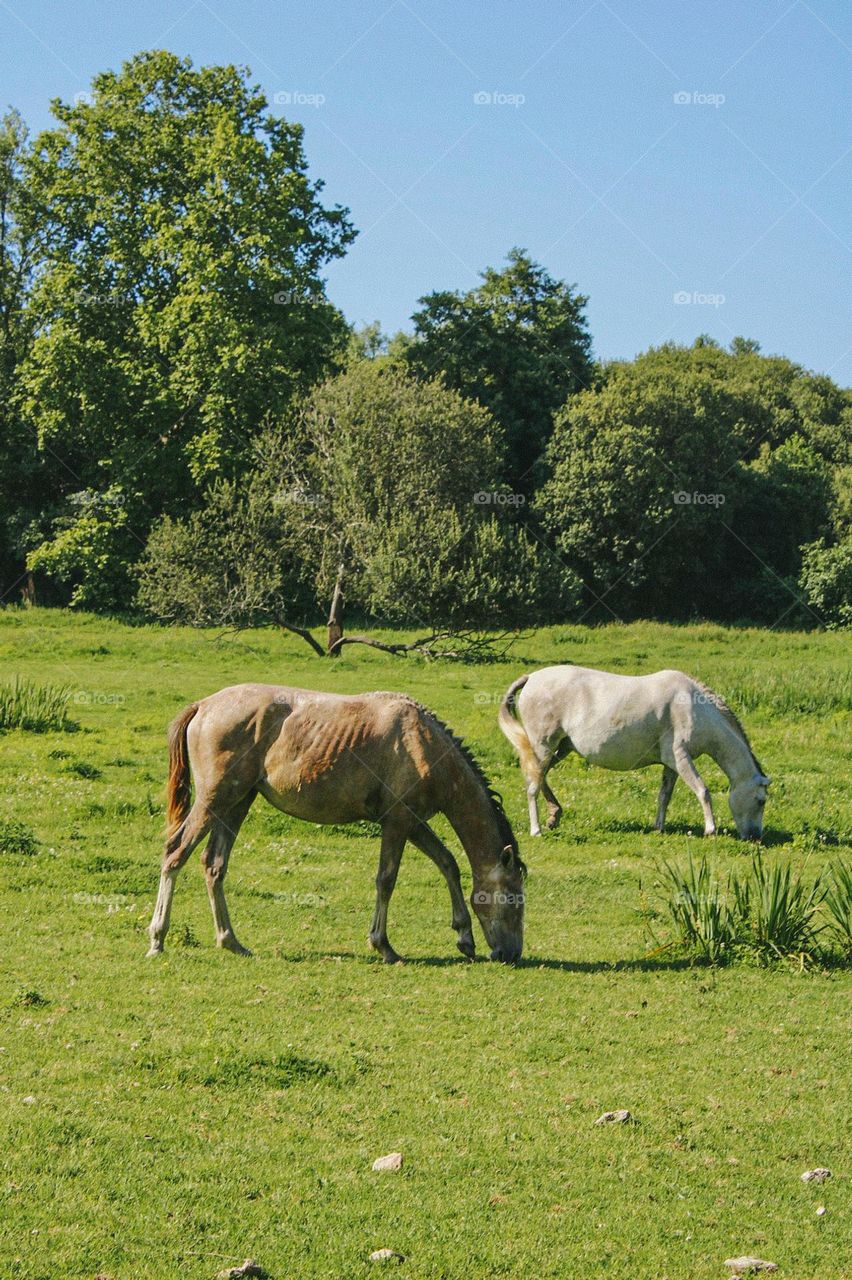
{"x": 737, "y": 198}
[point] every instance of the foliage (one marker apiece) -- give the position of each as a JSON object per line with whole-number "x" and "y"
{"x": 518, "y": 343}
{"x": 16, "y": 837}
{"x": 397, "y": 483}
{"x": 37, "y": 708}
{"x": 838, "y": 904}
{"x": 232, "y": 563}
{"x": 779, "y": 909}
{"x": 17, "y": 470}
{"x": 696, "y": 467}
{"x": 703, "y": 921}
{"x": 826, "y": 580}
{"x": 178, "y": 298}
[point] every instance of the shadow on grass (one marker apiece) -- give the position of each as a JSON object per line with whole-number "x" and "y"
{"x": 649, "y": 965}
{"x": 771, "y": 835}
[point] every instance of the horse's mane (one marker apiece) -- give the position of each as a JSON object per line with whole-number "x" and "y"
{"x": 729, "y": 717}
{"x": 507, "y": 835}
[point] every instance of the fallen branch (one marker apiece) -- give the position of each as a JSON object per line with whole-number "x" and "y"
{"x": 469, "y": 646}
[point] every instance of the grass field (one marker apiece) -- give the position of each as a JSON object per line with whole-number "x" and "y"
{"x": 171, "y": 1117}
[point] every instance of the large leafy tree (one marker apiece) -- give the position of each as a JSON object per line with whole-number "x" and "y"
{"x": 17, "y": 457}
{"x": 382, "y": 491}
{"x": 179, "y": 298}
{"x": 688, "y": 480}
{"x": 518, "y": 343}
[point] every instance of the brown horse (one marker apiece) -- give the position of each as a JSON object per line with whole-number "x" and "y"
{"x": 327, "y": 758}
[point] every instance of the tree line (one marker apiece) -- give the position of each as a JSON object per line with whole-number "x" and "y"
{"x": 190, "y": 431}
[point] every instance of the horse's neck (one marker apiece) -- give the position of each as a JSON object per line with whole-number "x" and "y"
{"x": 732, "y": 753}
{"x": 470, "y": 812}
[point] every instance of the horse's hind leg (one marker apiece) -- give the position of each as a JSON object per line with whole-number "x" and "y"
{"x": 426, "y": 840}
{"x": 225, "y": 828}
{"x": 667, "y": 786}
{"x": 179, "y": 846}
{"x": 554, "y": 808}
{"x": 393, "y": 843}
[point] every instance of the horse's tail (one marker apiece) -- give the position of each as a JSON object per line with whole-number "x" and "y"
{"x": 178, "y": 788}
{"x": 514, "y": 729}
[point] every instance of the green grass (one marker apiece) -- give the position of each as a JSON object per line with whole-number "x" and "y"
{"x": 34, "y": 707}
{"x": 170, "y": 1118}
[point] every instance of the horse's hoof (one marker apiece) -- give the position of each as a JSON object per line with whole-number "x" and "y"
{"x": 390, "y": 957}
{"x": 553, "y": 823}
{"x": 231, "y": 944}
{"x": 467, "y": 949}
{"x": 153, "y": 951}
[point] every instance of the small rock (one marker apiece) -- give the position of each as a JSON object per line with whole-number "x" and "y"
{"x": 614, "y": 1117}
{"x": 821, "y": 1211}
{"x": 29, "y": 1100}
{"x": 248, "y": 1268}
{"x": 750, "y": 1264}
{"x": 386, "y": 1255}
{"x": 816, "y": 1175}
{"x": 389, "y": 1163}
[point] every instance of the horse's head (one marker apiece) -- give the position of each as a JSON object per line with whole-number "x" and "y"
{"x": 498, "y": 900}
{"x": 747, "y": 800}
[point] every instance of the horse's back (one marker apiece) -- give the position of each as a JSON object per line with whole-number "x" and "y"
{"x": 614, "y": 720}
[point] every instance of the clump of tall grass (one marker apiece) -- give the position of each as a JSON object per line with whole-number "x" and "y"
{"x": 767, "y": 912}
{"x": 838, "y": 905}
{"x": 16, "y": 837}
{"x": 778, "y": 910}
{"x": 699, "y": 910}
{"x": 38, "y": 708}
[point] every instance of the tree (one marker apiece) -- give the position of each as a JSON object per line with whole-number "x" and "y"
{"x": 179, "y": 299}
{"x": 17, "y": 456}
{"x": 687, "y": 481}
{"x": 518, "y": 343}
{"x": 381, "y": 490}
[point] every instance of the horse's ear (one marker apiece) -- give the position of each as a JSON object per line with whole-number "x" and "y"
{"x": 507, "y": 857}
{"x": 763, "y": 780}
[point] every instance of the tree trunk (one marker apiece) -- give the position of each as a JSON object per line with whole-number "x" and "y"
{"x": 335, "y": 614}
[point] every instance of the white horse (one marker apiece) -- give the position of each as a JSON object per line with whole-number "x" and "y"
{"x": 629, "y": 722}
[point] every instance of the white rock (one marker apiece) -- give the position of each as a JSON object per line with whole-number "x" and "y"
{"x": 821, "y": 1211}
{"x": 389, "y": 1163}
{"x": 816, "y": 1175}
{"x": 29, "y": 1100}
{"x": 750, "y": 1264}
{"x": 614, "y": 1117}
{"x": 386, "y": 1255}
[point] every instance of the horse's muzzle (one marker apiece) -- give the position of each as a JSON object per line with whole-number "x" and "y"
{"x": 506, "y": 955}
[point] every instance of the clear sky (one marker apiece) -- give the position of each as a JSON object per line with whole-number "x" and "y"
{"x": 737, "y": 199}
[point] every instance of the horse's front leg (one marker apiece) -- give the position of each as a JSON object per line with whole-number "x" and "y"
{"x": 426, "y": 840}
{"x": 390, "y": 856}
{"x": 667, "y": 786}
{"x": 693, "y": 779}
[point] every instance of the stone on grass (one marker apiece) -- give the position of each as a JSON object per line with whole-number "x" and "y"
{"x": 248, "y": 1268}
{"x": 389, "y": 1163}
{"x": 750, "y": 1264}
{"x": 821, "y": 1211}
{"x": 386, "y": 1255}
{"x": 614, "y": 1117}
{"x": 816, "y": 1175}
